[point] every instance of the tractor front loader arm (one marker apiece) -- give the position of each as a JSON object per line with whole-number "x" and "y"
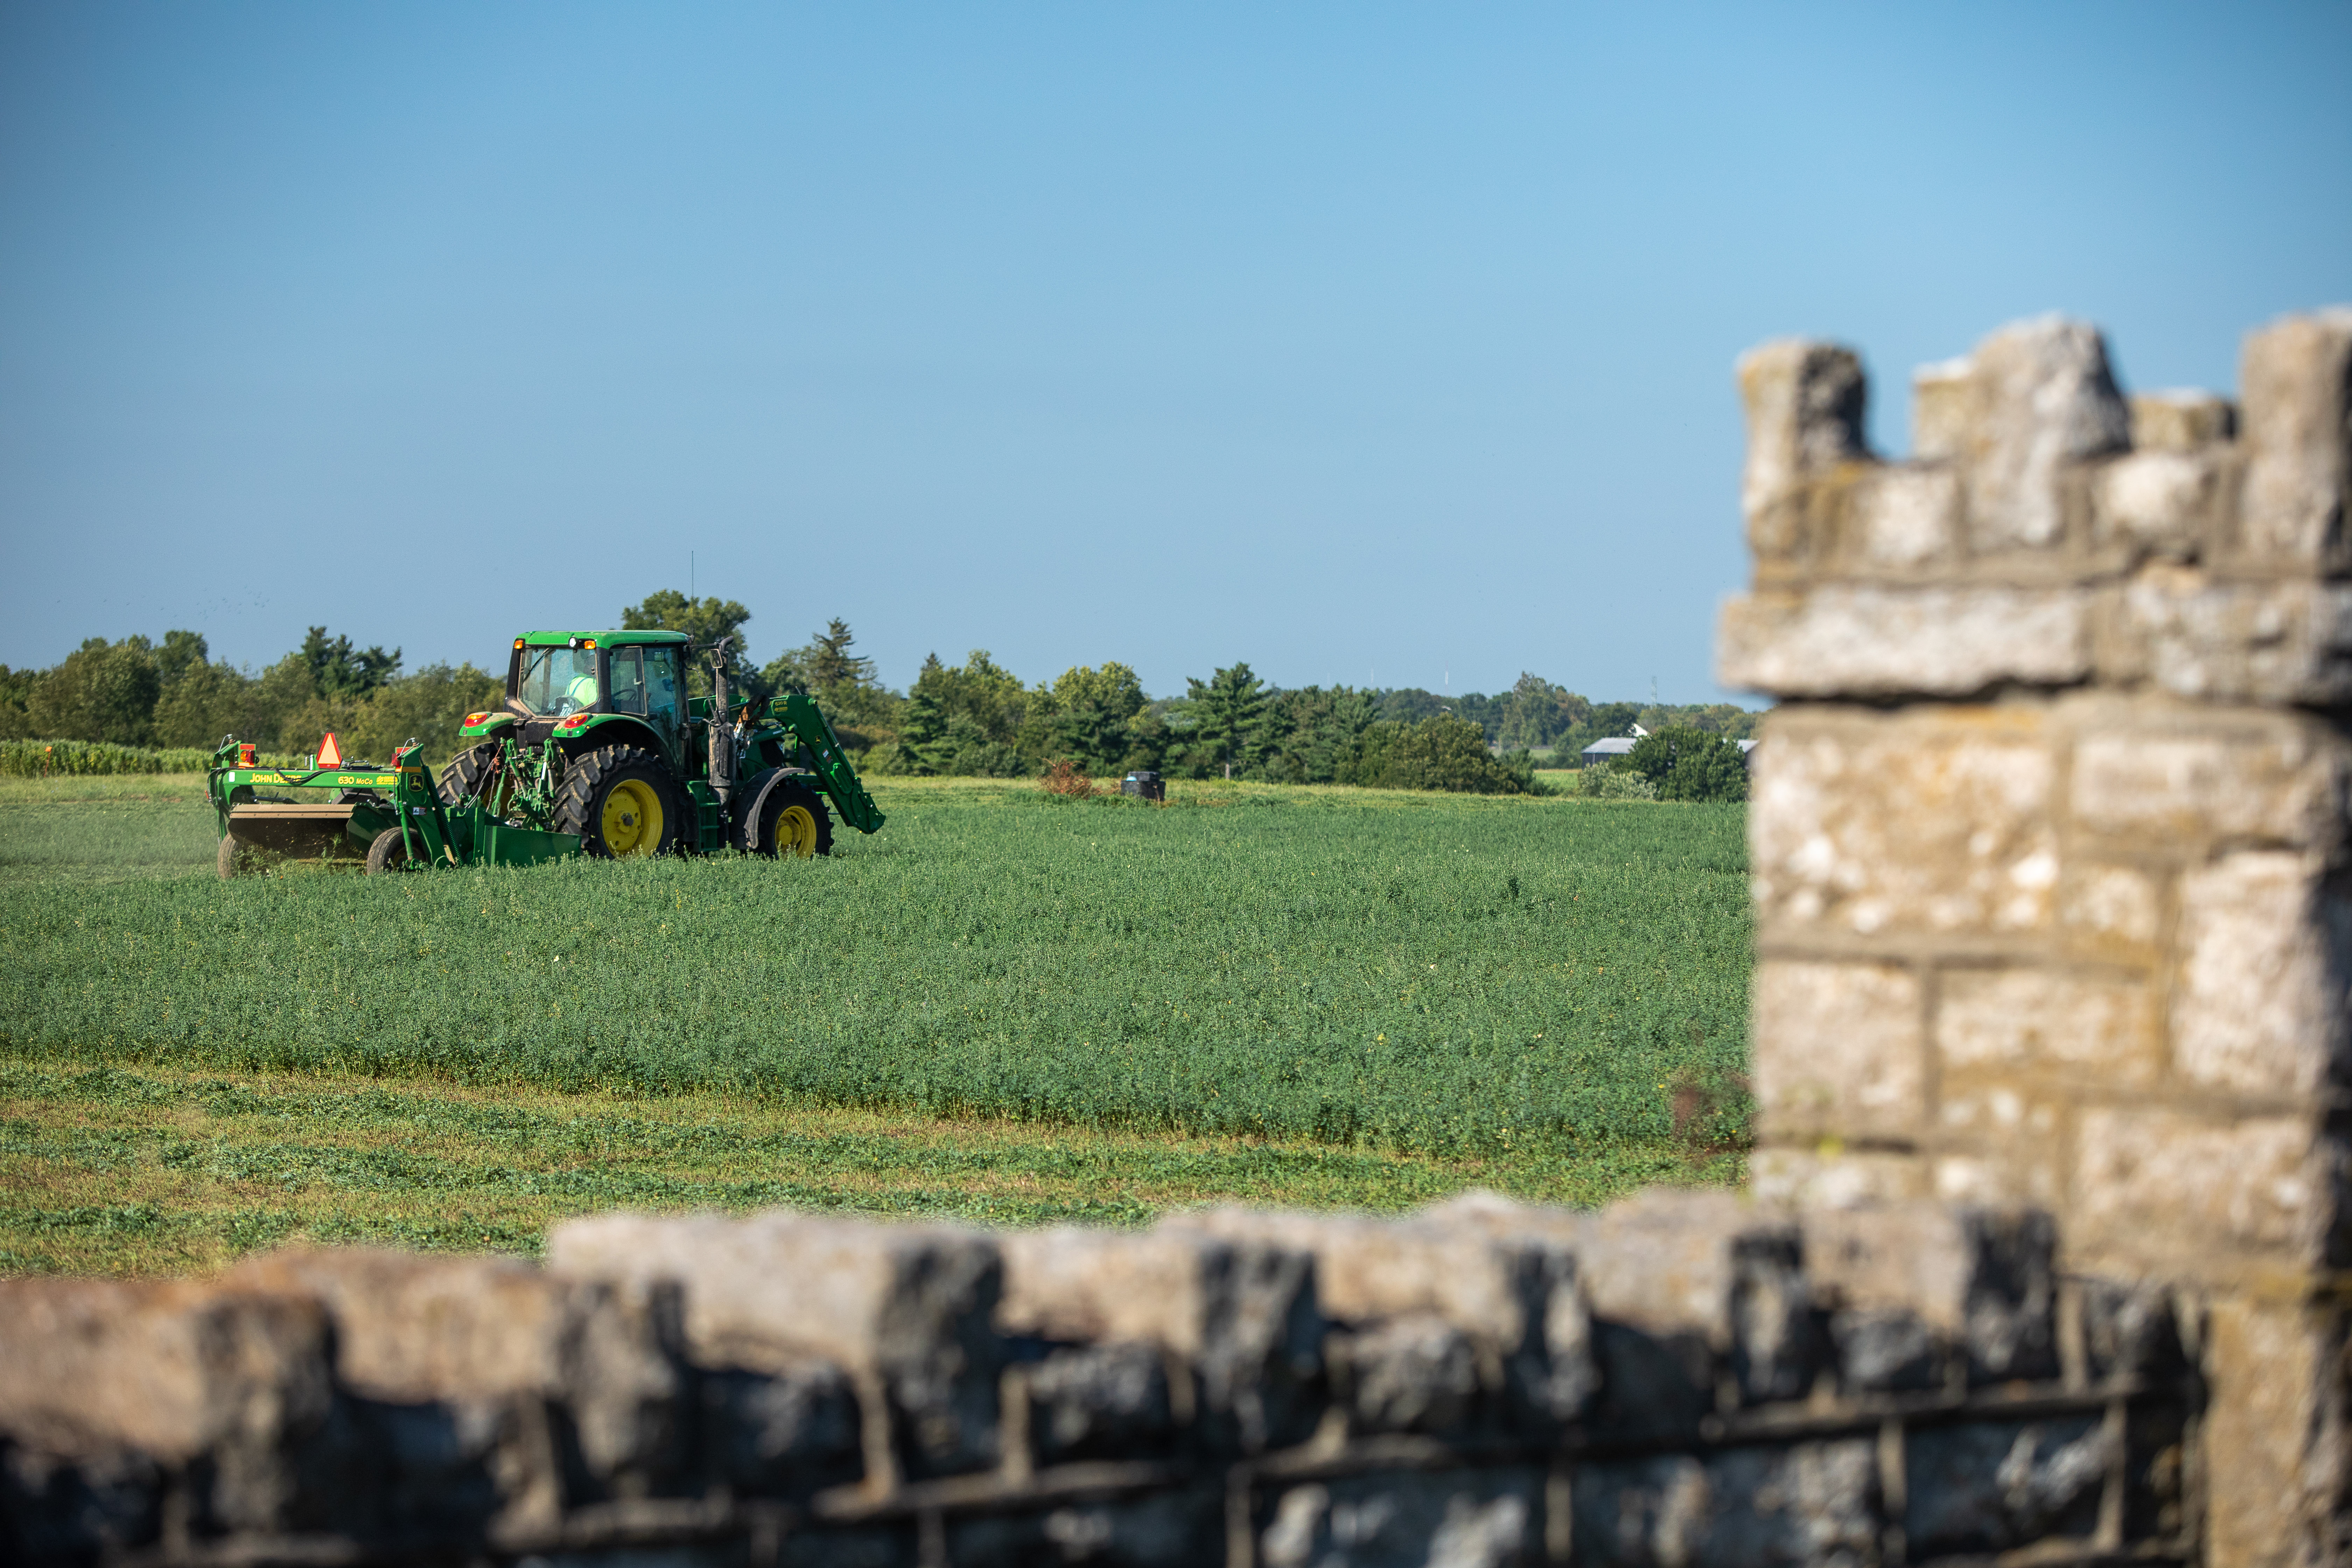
{"x": 805, "y": 721}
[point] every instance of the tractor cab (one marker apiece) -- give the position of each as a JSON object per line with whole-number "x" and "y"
{"x": 561, "y": 684}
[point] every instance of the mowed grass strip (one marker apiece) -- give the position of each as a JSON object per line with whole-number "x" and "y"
{"x": 1464, "y": 978}
{"x": 115, "y": 1171}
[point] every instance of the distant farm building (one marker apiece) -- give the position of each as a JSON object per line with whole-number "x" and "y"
{"x": 1616, "y": 746}
{"x": 1608, "y": 751}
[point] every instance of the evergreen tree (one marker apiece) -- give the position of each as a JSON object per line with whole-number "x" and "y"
{"x": 338, "y": 670}
{"x": 1229, "y": 718}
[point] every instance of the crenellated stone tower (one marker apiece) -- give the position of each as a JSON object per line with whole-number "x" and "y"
{"x": 2049, "y": 838}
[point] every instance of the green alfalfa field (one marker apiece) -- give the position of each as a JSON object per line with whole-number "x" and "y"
{"x": 1007, "y": 1007}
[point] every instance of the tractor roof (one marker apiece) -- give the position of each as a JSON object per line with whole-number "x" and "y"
{"x": 603, "y": 639}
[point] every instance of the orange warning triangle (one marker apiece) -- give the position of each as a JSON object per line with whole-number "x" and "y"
{"x": 330, "y": 755}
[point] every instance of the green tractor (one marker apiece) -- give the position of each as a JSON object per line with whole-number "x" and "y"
{"x": 598, "y": 751}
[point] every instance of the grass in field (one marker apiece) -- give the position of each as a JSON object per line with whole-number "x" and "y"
{"x": 1005, "y": 1006}
{"x": 104, "y": 829}
{"x": 109, "y": 1170}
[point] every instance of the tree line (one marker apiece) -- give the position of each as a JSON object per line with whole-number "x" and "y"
{"x": 973, "y": 719}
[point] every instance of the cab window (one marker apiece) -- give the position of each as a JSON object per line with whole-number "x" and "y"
{"x": 626, "y": 679}
{"x": 557, "y": 681}
{"x": 662, "y": 684}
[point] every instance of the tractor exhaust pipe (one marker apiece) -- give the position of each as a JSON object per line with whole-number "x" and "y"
{"x": 722, "y": 727}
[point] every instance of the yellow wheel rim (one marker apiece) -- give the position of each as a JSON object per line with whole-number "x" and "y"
{"x": 796, "y": 832}
{"x": 633, "y": 818}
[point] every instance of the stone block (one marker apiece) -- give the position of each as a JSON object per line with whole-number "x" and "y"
{"x": 2184, "y": 780}
{"x": 1998, "y": 1147}
{"x": 1180, "y": 1529}
{"x": 2181, "y": 420}
{"x": 1933, "y": 821}
{"x": 1920, "y": 1292}
{"x": 1829, "y": 1175}
{"x": 2040, "y": 399}
{"x": 2101, "y": 1028}
{"x": 104, "y": 1382}
{"x": 1236, "y": 1302}
{"x": 1805, "y": 404}
{"x": 784, "y": 1432}
{"x": 2276, "y": 1434}
{"x": 1100, "y": 1402}
{"x": 1839, "y": 1048}
{"x": 95, "y": 1508}
{"x": 1869, "y": 641}
{"x": 2169, "y": 1192}
{"x": 2264, "y": 1001}
{"x": 1984, "y": 1487}
{"x": 2297, "y": 376}
{"x": 1412, "y": 1374}
{"x": 2110, "y": 910}
{"x": 1905, "y": 516}
{"x": 1712, "y": 1289}
{"x": 1503, "y": 1276}
{"x": 906, "y": 1309}
{"x": 2212, "y": 641}
{"x": 2168, "y": 505}
{"x": 469, "y": 1332}
{"x": 2129, "y": 1330}
{"x": 1476, "y": 1518}
{"x": 1739, "y": 1508}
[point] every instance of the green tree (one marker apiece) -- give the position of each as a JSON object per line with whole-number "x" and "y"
{"x": 338, "y": 670}
{"x": 1321, "y": 729}
{"x": 182, "y": 652}
{"x": 709, "y": 621}
{"x": 864, "y": 712}
{"x": 1229, "y": 718}
{"x": 427, "y": 707}
{"x": 1084, "y": 716}
{"x": 206, "y": 701}
{"x": 1685, "y": 764}
{"x": 15, "y": 694}
{"x": 1535, "y": 712}
{"x": 100, "y": 691}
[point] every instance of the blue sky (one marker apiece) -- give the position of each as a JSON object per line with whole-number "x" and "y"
{"x": 1360, "y": 342}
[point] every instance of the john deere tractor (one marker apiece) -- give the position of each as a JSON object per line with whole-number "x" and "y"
{"x": 596, "y": 751}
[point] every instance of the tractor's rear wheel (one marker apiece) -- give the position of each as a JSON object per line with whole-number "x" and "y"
{"x": 621, "y": 802}
{"x": 465, "y": 773}
{"x": 794, "y": 821}
{"x": 390, "y": 851}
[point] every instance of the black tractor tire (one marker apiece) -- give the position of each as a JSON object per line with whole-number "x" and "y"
{"x": 235, "y": 858}
{"x": 390, "y": 851}
{"x": 622, "y": 803}
{"x": 464, "y": 776}
{"x": 792, "y": 821}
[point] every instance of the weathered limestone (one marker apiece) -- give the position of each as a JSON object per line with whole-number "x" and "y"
{"x": 2051, "y": 861}
{"x": 905, "y": 1311}
{"x": 1684, "y": 1378}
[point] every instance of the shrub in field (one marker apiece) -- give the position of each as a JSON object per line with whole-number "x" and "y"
{"x": 1440, "y": 753}
{"x": 1691, "y": 764}
{"x": 1063, "y": 776}
{"x": 1603, "y": 781}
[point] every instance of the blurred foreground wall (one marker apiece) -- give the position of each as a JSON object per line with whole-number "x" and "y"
{"x": 2049, "y": 842}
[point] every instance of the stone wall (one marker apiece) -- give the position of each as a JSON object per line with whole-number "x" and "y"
{"x": 2041, "y": 1263}
{"x": 1684, "y": 1379}
{"x": 2048, "y": 839}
